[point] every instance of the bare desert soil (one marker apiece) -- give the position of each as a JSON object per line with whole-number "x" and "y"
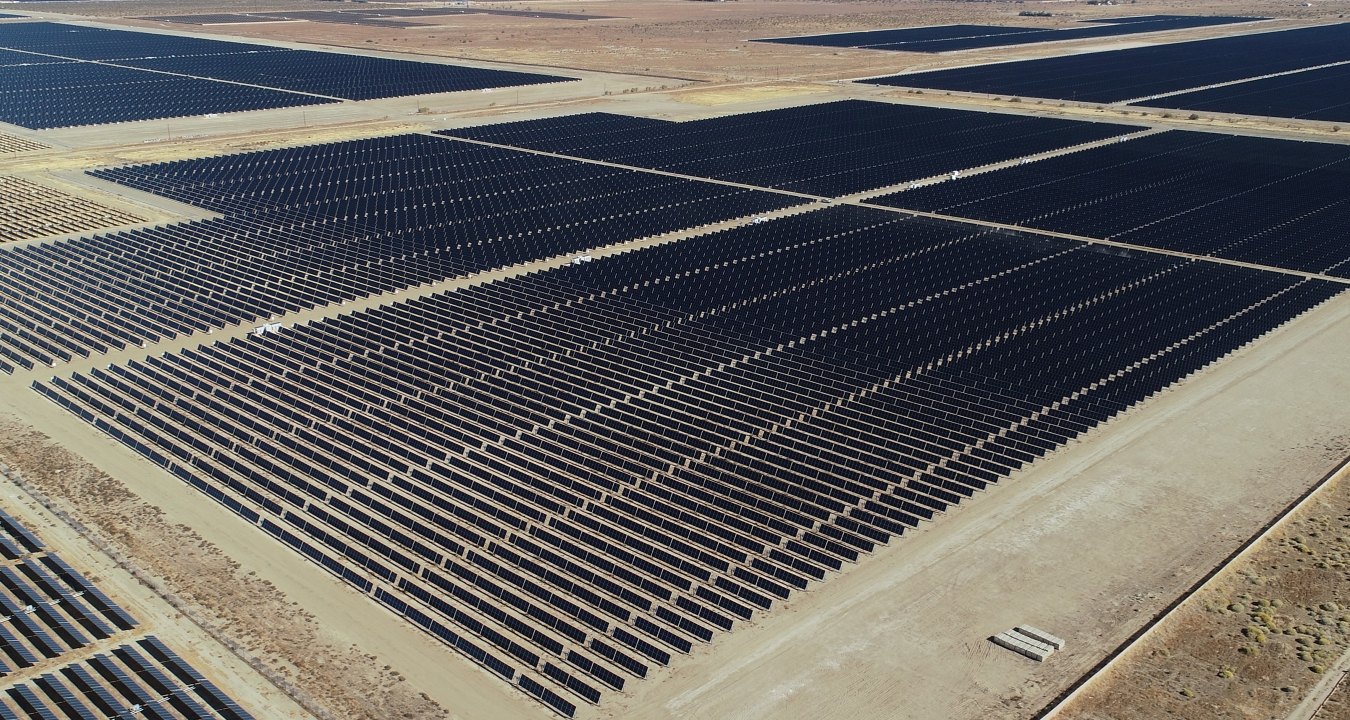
{"x": 709, "y": 41}
{"x": 1254, "y": 641}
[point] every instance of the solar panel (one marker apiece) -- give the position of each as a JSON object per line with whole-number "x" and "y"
{"x": 1136, "y": 73}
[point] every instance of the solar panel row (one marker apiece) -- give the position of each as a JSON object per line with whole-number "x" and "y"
{"x": 92, "y": 43}
{"x": 830, "y": 149}
{"x": 146, "y": 75}
{"x": 316, "y": 225}
{"x": 137, "y": 679}
{"x": 50, "y": 612}
{"x": 1143, "y": 72}
{"x": 1322, "y": 94}
{"x": 78, "y": 93}
{"x": 948, "y": 38}
{"x": 1272, "y": 202}
{"x": 573, "y": 474}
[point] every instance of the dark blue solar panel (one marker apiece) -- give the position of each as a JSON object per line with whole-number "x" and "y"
{"x": 42, "y": 90}
{"x": 1142, "y": 72}
{"x": 352, "y": 77}
{"x": 1321, "y": 94}
{"x": 1259, "y": 200}
{"x": 829, "y": 149}
{"x": 947, "y": 38}
{"x": 60, "y": 95}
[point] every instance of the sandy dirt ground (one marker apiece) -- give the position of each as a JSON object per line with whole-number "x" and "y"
{"x": 709, "y": 41}
{"x": 1256, "y": 641}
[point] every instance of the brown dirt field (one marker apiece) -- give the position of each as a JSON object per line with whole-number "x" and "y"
{"x": 1255, "y": 640}
{"x": 708, "y": 41}
{"x": 1337, "y": 707}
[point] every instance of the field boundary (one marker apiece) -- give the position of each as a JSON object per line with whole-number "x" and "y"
{"x": 1061, "y": 701}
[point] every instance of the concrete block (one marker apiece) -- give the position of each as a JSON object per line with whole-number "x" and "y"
{"x": 1033, "y": 642}
{"x": 1041, "y": 635}
{"x": 1021, "y": 647}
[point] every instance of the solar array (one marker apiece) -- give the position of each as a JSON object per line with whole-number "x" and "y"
{"x": 350, "y": 77}
{"x": 949, "y": 38}
{"x": 899, "y": 36}
{"x": 376, "y": 18}
{"x": 91, "y": 43}
{"x": 573, "y": 476}
{"x": 830, "y": 149}
{"x": 31, "y": 210}
{"x": 15, "y": 144}
{"x": 1144, "y": 72}
{"x": 54, "y": 617}
{"x": 60, "y": 95}
{"x": 1280, "y": 203}
{"x": 13, "y": 58}
{"x": 1322, "y": 94}
{"x": 315, "y": 225}
{"x": 1138, "y": 19}
{"x": 137, "y": 679}
{"x": 51, "y": 609}
{"x": 48, "y": 76}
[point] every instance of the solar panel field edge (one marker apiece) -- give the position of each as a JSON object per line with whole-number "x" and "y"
{"x": 247, "y": 508}
{"x": 1240, "y": 98}
{"x": 1319, "y": 44}
{"x": 1122, "y": 192}
{"x": 246, "y": 91}
{"x": 723, "y": 149}
{"x": 30, "y": 583}
{"x": 995, "y": 36}
{"x": 697, "y": 202}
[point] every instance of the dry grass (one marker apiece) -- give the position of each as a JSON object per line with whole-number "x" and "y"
{"x": 1252, "y": 643}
